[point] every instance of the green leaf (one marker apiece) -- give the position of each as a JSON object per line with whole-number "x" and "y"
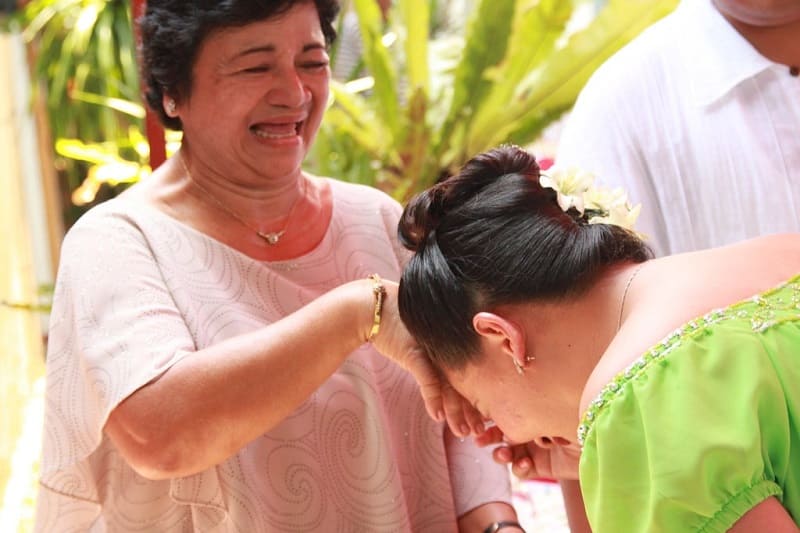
{"x": 93, "y": 152}
{"x": 414, "y": 148}
{"x": 345, "y": 124}
{"x": 486, "y": 42}
{"x": 415, "y": 21}
{"x": 537, "y": 27}
{"x": 126, "y": 53}
{"x": 349, "y": 112}
{"x": 379, "y": 64}
{"x": 124, "y": 106}
{"x": 554, "y": 85}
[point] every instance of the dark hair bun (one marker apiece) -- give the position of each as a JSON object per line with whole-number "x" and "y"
{"x": 492, "y": 235}
{"x": 424, "y": 212}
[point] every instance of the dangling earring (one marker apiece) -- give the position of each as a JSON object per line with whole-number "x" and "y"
{"x": 170, "y": 107}
{"x": 520, "y": 368}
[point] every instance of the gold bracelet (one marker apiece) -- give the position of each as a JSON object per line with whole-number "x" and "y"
{"x": 497, "y": 526}
{"x": 380, "y": 293}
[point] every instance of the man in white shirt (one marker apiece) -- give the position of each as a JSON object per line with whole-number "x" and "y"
{"x": 699, "y": 120}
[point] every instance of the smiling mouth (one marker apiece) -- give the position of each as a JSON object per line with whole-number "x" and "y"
{"x": 277, "y": 131}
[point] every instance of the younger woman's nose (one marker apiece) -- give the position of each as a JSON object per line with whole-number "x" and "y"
{"x": 544, "y": 442}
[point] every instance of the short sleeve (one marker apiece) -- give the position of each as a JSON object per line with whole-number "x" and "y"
{"x": 694, "y": 437}
{"x": 114, "y": 328}
{"x": 476, "y": 478}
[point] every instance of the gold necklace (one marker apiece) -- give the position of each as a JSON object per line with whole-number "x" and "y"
{"x": 270, "y": 237}
{"x": 625, "y": 294}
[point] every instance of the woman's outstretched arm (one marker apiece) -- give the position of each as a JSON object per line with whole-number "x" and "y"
{"x": 769, "y": 515}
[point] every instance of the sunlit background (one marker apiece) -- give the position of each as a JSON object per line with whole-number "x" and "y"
{"x": 73, "y": 133}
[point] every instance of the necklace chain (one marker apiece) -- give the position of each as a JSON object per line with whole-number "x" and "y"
{"x": 625, "y": 294}
{"x": 270, "y": 237}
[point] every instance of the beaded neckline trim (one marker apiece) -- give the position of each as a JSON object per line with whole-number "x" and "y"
{"x": 759, "y": 309}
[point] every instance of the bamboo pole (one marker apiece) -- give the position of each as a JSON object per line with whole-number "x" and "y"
{"x": 21, "y": 346}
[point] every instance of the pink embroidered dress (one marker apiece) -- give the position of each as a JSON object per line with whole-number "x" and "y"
{"x": 138, "y": 291}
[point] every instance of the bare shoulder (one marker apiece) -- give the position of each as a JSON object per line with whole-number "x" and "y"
{"x": 778, "y": 244}
{"x": 751, "y": 265}
{"x": 723, "y": 275}
{"x": 671, "y": 291}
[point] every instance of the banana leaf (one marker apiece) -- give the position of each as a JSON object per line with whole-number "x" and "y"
{"x": 552, "y": 86}
{"x": 538, "y": 26}
{"x": 379, "y": 63}
{"x": 486, "y": 42}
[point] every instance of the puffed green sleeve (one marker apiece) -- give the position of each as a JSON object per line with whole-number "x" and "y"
{"x": 701, "y": 429}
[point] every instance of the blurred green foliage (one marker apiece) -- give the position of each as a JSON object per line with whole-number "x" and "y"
{"x": 429, "y": 96}
{"x": 429, "y": 102}
{"x": 85, "y": 70}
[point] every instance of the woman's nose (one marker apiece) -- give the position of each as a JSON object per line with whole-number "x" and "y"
{"x": 544, "y": 442}
{"x": 289, "y": 90}
{"x": 549, "y": 442}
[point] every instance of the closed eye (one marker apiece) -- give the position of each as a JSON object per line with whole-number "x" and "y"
{"x": 316, "y": 65}
{"x": 256, "y": 70}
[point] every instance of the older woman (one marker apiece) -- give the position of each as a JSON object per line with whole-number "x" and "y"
{"x": 208, "y": 366}
{"x": 557, "y": 327}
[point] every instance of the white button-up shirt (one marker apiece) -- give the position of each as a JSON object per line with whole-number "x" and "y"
{"x": 698, "y": 127}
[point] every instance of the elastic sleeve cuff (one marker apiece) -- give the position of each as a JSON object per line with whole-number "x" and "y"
{"x": 736, "y": 507}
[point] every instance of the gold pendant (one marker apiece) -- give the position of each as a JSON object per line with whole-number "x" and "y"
{"x": 271, "y": 238}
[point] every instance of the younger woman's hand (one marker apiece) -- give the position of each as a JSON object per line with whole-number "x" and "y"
{"x": 541, "y": 458}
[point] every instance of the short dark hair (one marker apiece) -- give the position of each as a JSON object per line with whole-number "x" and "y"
{"x": 492, "y": 235}
{"x": 174, "y": 30}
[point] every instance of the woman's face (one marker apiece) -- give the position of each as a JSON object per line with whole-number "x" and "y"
{"x": 525, "y": 407}
{"x": 258, "y": 95}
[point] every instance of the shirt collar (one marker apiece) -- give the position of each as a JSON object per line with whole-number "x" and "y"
{"x": 716, "y": 56}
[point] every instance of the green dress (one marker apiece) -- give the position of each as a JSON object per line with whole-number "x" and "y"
{"x": 702, "y": 427}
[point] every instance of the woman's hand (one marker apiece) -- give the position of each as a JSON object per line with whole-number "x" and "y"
{"x": 441, "y": 401}
{"x": 531, "y": 460}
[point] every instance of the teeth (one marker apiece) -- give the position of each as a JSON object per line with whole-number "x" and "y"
{"x": 276, "y": 131}
{"x": 268, "y": 135}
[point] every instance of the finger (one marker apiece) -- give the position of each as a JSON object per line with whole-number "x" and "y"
{"x": 523, "y": 468}
{"x": 454, "y": 411}
{"x": 502, "y": 455}
{"x": 492, "y": 435}
{"x": 433, "y": 401}
{"x": 430, "y": 386}
{"x": 473, "y": 417}
{"x": 431, "y": 391}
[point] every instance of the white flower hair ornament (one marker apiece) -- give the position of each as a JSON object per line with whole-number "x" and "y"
{"x": 575, "y": 188}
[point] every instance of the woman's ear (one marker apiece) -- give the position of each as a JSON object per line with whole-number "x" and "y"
{"x": 502, "y": 334}
{"x": 170, "y": 105}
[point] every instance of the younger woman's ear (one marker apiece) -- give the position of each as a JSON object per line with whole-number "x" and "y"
{"x": 502, "y": 333}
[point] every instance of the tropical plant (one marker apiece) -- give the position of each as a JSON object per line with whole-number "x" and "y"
{"x": 85, "y": 58}
{"x": 429, "y": 101}
{"x": 430, "y": 104}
